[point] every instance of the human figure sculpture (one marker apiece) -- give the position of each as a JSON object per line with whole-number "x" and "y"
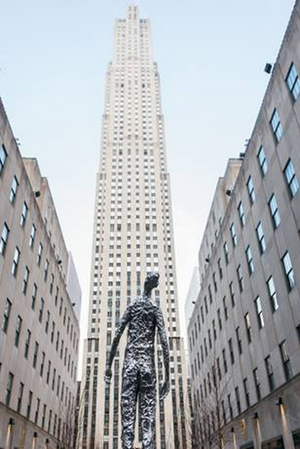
{"x": 139, "y": 375}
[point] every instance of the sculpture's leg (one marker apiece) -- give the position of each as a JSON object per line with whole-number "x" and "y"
{"x": 148, "y": 408}
{"x": 128, "y": 407}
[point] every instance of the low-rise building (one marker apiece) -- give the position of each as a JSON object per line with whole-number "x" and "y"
{"x": 39, "y": 308}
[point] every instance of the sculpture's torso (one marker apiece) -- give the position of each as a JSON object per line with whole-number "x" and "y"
{"x": 141, "y": 333}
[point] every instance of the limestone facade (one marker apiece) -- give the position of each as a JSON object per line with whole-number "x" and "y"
{"x": 244, "y": 333}
{"x": 39, "y": 329}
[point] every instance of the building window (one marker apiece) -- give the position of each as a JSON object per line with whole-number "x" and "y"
{"x": 32, "y": 236}
{"x": 35, "y": 354}
{"x": 42, "y": 364}
{"x": 27, "y": 344}
{"x": 41, "y": 310}
{"x": 291, "y": 179}
{"x": 239, "y": 341}
{"x": 18, "y": 330}
{"x": 246, "y": 391}
{"x": 272, "y": 294}
{"x": 6, "y": 315}
{"x": 4, "y": 238}
{"x": 53, "y": 379}
{"x": 276, "y": 125}
{"x": 238, "y": 400}
{"x": 248, "y": 327}
{"x": 259, "y": 312}
{"x": 47, "y": 322}
{"x": 298, "y": 332}
{"x": 231, "y": 291}
{"x": 46, "y": 267}
{"x": 20, "y": 397}
{"x": 261, "y": 157}
{"x": 270, "y": 372}
{"x": 220, "y": 269}
{"x": 257, "y": 383}
{"x": 44, "y": 416}
{"x": 36, "y": 415}
{"x": 288, "y": 271}
{"x": 28, "y": 411}
{"x": 287, "y": 368}
{"x": 219, "y": 319}
{"x": 3, "y": 156}
{"x": 49, "y": 421}
{"x": 224, "y": 360}
{"x": 33, "y": 296}
{"x": 225, "y": 308}
{"x": 205, "y": 305}
{"x": 39, "y": 254}
{"x": 214, "y": 329}
{"x": 52, "y": 332}
{"x": 24, "y": 214}
{"x": 226, "y": 252}
{"x": 48, "y": 372}
{"x": 9, "y": 386}
{"x": 51, "y": 284}
{"x": 231, "y": 351}
{"x": 274, "y": 211}
{"x": 15, "y": 263}
{"x": 293, "y": 82}
{"x": 249, "y": 260}
{"x": 240, "y": 278}
{"x": 13, "y": 190}
{"x": 215, "y": 282}
{"x": 25, "y": 280}
{"x": 219, "y": 369}
{"x": 250, "y": 188}
{"x": 261, "y": 238}
{"x": 241, "y": 214}
{"x": 233, "y": 235}
{"x": 209, "y": 339}
{"x": 230, "y": 407}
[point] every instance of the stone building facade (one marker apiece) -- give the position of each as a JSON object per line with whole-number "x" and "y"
{"x": 39, "y": 327}
{"x": 244, "y": 333}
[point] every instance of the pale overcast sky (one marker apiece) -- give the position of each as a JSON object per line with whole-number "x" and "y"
{"x": 211, "y": 56}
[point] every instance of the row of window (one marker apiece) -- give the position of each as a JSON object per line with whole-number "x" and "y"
{"x": 16, "y": 257}
{"x": 293, "y": 185}
{"x": 293, "y": 84}
{"x": 54, "y": 424}
{"x": 211, "y": 383}
{"x": 290, "y": 279}
{"x": 14, "y": 270}
{"x": 286, "y": 261}
{"x": 60, "y": 346}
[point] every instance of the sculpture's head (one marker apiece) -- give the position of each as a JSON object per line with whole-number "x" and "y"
{"x": 151, "y": 281}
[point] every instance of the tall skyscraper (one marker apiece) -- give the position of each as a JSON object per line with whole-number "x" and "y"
{"x": 133, "y": 234}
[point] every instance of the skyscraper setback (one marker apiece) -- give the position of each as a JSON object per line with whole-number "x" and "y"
{"x": 133, "y": 234}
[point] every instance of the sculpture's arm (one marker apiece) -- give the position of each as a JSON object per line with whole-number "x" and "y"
{"x": 125, "y": 319}
{"x": 166, "y": 353}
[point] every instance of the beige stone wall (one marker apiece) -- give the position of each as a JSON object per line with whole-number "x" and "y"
{"x": 50, "y": 277}
{"x": 280, "y": 324}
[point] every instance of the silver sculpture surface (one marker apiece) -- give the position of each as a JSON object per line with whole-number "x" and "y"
{"x": 139, "y": 375}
